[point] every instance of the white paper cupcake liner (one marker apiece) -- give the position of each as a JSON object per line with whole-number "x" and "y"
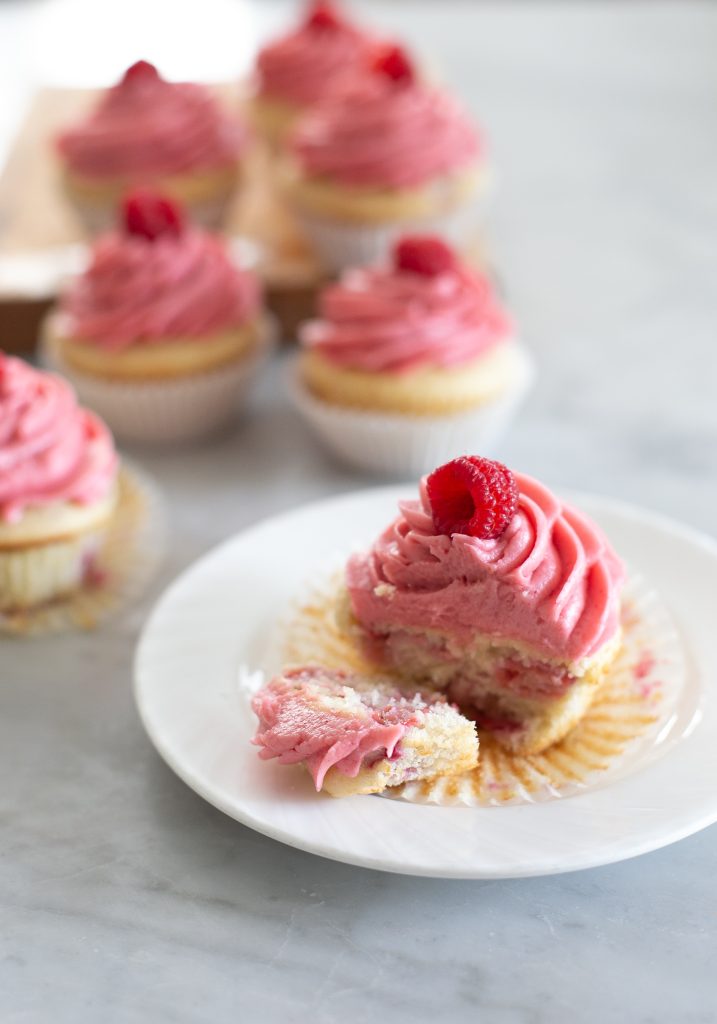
{"x": 405, "y": 446}
{"x": 341, "y": 245}
{"x": 633, "y": 716}
{"x": 167, "y": 411}
{"x": 128, "y": 557}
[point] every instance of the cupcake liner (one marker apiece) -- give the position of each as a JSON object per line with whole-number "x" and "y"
{"x": 340, "y": 245}
{"x": 167, "y": 411}
{"x": 403, "y": 445}
{"x": 632, "y": 717}
{"x": 125, "y": 558}
{"x": 42, "y": 572}
{"x": 98, "y": 218}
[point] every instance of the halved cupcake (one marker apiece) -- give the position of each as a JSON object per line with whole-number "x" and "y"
{"x": 58, "y": 487}
{"x": 387, "y": 154}
{"x": 172, "y": 136}
{"x": 303, "y": 66}
{"x": 492, "y": 590}
{"x": 357, "y": 735}
{"x": 163, "y": 333}
{"x": 410, "y": 361}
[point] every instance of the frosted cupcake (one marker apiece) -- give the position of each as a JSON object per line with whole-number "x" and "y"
{"x": 58, "y": 487}
{"x": 163, "y": 333}
{"x": 301, "y": 67}
{"x": 386, "y": 154}
{"x": 173, "y": 136}
{"x": 410, "y": 362}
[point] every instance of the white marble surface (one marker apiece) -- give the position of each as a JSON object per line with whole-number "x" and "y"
{"x": 123, "y": 897}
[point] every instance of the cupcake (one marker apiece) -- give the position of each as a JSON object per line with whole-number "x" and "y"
{"x": 163, "y": 332}
{"x": 385, "y": 154}
{"x": 173, "y": 136}
{"x": 490, "y": 589}
{"x": 300, "y": 68}
{"x": 410, "y": 362}
{"x": 58, "y": 487}
{"x": 358, "y": 735}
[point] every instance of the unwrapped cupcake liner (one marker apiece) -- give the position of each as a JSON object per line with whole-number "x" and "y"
{"x": 168, "y": 411}
{"x": 402, "y": 445}
{"x": 124, "y": 559}
{"x": 633, "y": 717}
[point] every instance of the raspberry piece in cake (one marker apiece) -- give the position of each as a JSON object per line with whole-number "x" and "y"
{"x": 474, "y": 496}
{"x": 149, "y": 215}
{"x": 357, "y": 735}
{"x": 424, "y": 254}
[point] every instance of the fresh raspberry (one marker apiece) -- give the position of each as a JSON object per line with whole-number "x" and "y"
{"x": 393, "y": 62}
{"x": 423, "y": 254}
{"x": 149, "y": 215}
{"x": 323, "y": 15}
{"x": 141, "y": 71}
{"x": 474, "y": 496}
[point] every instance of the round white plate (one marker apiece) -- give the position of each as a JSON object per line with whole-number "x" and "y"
{"x": 222, "y": 613}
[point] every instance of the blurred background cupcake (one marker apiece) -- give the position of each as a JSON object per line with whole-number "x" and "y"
{"x": 174, "y": 136}
{"x": 303, "y": 66}
{"x": 164, "y": 332}
{"x": 58, "y": 487}
{"x": 410, "y": 362}
{"x": 386, "y": 153}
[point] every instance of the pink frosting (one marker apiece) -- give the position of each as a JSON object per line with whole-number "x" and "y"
{"x": 377, "y": 132}
{"x": 50, "y": 449}
{"x": 145, "y": 127}
{"x": 175, "y": 286}
{"x": 301, "y": 66}
{"x": 386, "y": 320}
{"x": 295, "y": 726}
{"x": 551, "y": 580}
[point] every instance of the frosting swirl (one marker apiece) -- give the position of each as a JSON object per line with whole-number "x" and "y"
{"x": 388, "y": 320}
{"x": 551, "y": 580}
{"x": 381, "y": 133}
{"x": 145, "y": 127}
{"x": 141, "y": 290}
{"x": 51, "y": 450}
{"x": 300, "y": 66}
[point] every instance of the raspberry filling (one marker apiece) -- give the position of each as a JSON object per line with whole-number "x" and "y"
{"x": 148, "y": 215}
{"x": 472, "y": 496}
{"x": 309, "y": 716}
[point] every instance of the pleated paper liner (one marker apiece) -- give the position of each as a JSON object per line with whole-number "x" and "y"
{"x": 128, "y": 559}
{"x": 634, "y": 713}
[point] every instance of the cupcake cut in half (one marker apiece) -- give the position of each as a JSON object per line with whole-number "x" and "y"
{"x": 173, "y": 136}
{"x": 490, "y": 589}
{"x": 305, "y": 64}
{"x": 410, "y": 360}
{"x": 162, "y": 316}
{"x": 356, "y": 735}
{"x": 384, "y": 154}
{"x": 58, "y": 487}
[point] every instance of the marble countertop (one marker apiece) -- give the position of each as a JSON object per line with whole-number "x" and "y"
{"x": 123, "y": 896}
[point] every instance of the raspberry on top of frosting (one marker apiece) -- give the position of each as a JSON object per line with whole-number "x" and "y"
{"x": 549, "y": 579}
{"x": 426, "y": 309}
{"x": 386, "y": 128}
{"x": 51, "y": 450}
{"x": 156, "y": 278}
{"x": 317, "y": 55}
{"x": 144, "y": 127}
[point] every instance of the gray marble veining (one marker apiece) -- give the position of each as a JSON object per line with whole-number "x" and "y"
{"x": 123, "y": 897}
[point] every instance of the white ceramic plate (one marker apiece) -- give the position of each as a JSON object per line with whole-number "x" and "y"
{"x": 222, "y": 613}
